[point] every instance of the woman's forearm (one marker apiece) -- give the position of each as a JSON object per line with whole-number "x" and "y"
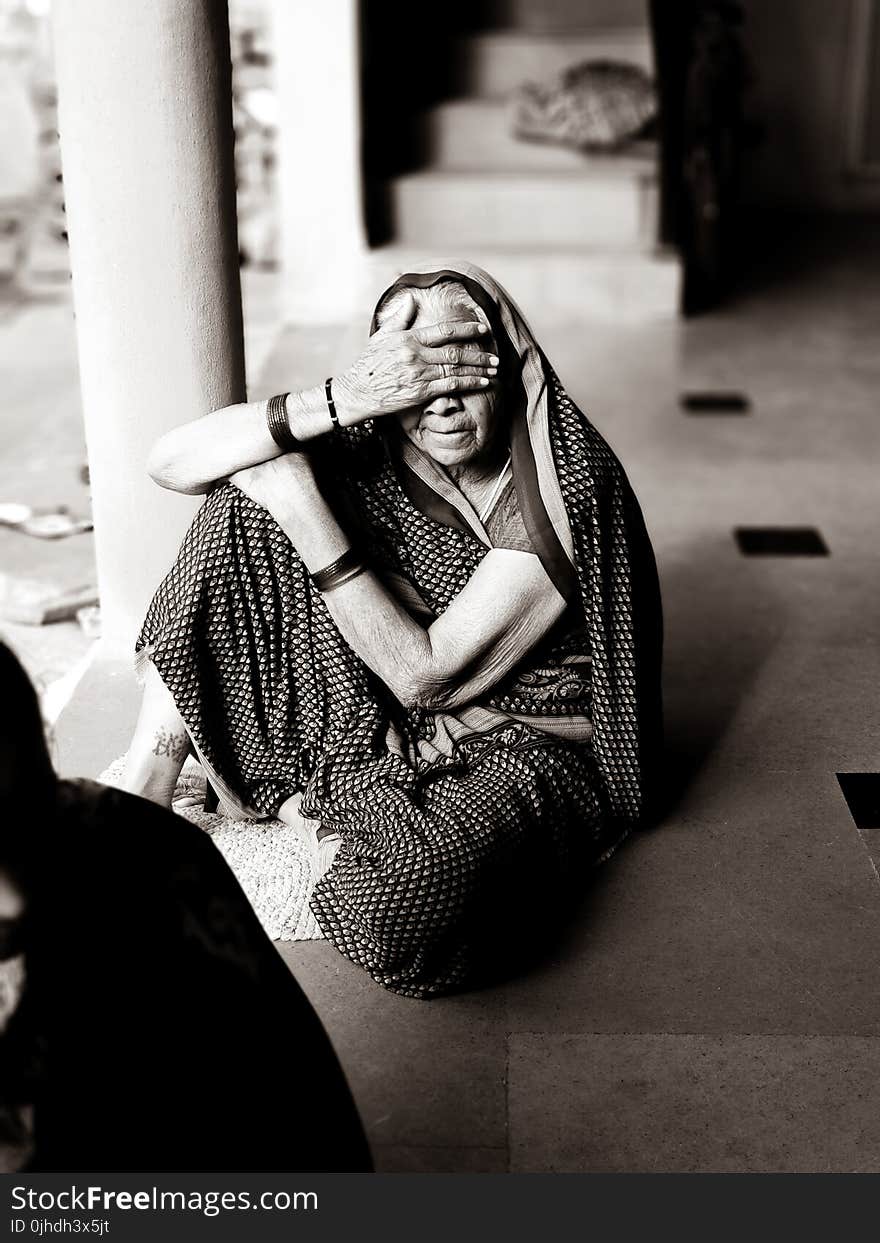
{"x": 503, "y": 610}
{"x": 390, "y": 642}
{"x": 192, "y": 457}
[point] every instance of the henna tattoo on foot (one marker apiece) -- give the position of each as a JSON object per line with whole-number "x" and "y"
{"x": 169, "y": 745}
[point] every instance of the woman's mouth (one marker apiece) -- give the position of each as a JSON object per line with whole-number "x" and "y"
{"x": 448, "y": 431}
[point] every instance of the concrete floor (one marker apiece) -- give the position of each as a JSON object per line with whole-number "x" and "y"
{"x": 42, "y": 453}
{"x": 715, "y": 1004}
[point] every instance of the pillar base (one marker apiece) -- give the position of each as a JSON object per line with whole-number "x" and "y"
{"x": 98, "y": 720}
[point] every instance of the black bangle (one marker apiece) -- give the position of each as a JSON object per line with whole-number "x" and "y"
{"x": 279, "y": 424}
{"x": 331, "y": 404}
{"x": 348, "y": 566}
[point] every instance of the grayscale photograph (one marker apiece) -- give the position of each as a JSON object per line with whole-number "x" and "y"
{"x": 439, "y": 599}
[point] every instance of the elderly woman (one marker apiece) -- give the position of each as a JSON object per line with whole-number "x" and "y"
{"x": 420, "y": 608}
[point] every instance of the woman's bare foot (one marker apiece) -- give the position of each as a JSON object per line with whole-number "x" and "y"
{"x": 160, "y": 744}
{"x": 322, "y": 849}
{"x": 290, "y": 813}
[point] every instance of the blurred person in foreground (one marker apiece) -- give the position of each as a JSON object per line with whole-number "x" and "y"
{"x": 151, "y": 1025}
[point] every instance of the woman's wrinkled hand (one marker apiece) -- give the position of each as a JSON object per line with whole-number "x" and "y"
{"x": 278, "y": 483}
{"x": 403, "y": 367}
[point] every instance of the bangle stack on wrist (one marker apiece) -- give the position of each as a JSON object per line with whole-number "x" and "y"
{"x": 278, "y": 423}
{"x": 278, "y": 420}
{"x": 340, "y": 571}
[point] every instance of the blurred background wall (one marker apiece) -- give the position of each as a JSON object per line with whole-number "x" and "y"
{"x": 812, "y": 99}
{"x": 816, "y": 95}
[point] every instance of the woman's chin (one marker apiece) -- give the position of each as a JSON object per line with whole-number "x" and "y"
{"x": 450, "y": 449}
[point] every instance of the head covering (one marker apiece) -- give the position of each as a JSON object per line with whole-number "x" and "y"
{"x": 586, "y": 526}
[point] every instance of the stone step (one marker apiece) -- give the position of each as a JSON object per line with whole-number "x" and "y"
{"x": 594, "y": 207}
{"x": 477, "y": 134}
{"x": 562, "y": 15}
{"x": 554, "y": 284}
{"x": 494, "y": 63}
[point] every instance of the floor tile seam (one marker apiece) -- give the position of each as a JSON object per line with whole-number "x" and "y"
{"x": 734, "y": 767}
{"x": 701, "y": 1034}
{"x": 872, "y": 862}
{"x": 830, "y": 766}
{"x": 712, "y": 825}
{"x": 740, "y": 767}
{"x": 507, "y": 1145}
{"x": 779, "y": 1170}
{"x": 422, "y": 1144}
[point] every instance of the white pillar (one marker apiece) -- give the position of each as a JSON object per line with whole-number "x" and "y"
{"x": 145, "y": 119}
{"x": 317, "y": 79}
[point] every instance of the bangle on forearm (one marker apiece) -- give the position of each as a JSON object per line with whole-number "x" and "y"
{"x": 278, "y": 423}
{"x": 340, "y": 571}
{"x": 331, "y": 404}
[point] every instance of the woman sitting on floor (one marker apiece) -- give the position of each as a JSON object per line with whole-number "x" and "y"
{"x": 420, "y": 607}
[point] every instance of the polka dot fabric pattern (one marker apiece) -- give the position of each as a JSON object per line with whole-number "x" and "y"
{"x": 437, "y": 559}
{"x": 247, "y": 648}
{"x": 441, "y": 863}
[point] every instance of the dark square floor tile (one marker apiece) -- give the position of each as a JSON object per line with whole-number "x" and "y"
{"x": 780, "y": 542}
{"x": 862, "y": 794}
{"x": 720, "y": 402}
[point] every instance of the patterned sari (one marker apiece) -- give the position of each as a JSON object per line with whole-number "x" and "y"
{"x": 460, "y": 830}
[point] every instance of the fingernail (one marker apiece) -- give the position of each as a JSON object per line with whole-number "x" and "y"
{"x": 493, "y": 371}
{"x": 493, "y": 360}
{"x": 483, "y": 383}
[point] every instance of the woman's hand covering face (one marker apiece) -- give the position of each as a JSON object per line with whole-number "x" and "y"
{"x": 402, "y": 367}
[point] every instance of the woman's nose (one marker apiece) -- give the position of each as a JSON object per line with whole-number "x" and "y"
{"x": 444, "y": 405}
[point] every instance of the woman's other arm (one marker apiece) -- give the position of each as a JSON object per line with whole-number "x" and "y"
{"x": 507, "y": 605}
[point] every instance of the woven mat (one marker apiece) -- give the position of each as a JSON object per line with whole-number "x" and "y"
{"x": 272, "y": 861}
